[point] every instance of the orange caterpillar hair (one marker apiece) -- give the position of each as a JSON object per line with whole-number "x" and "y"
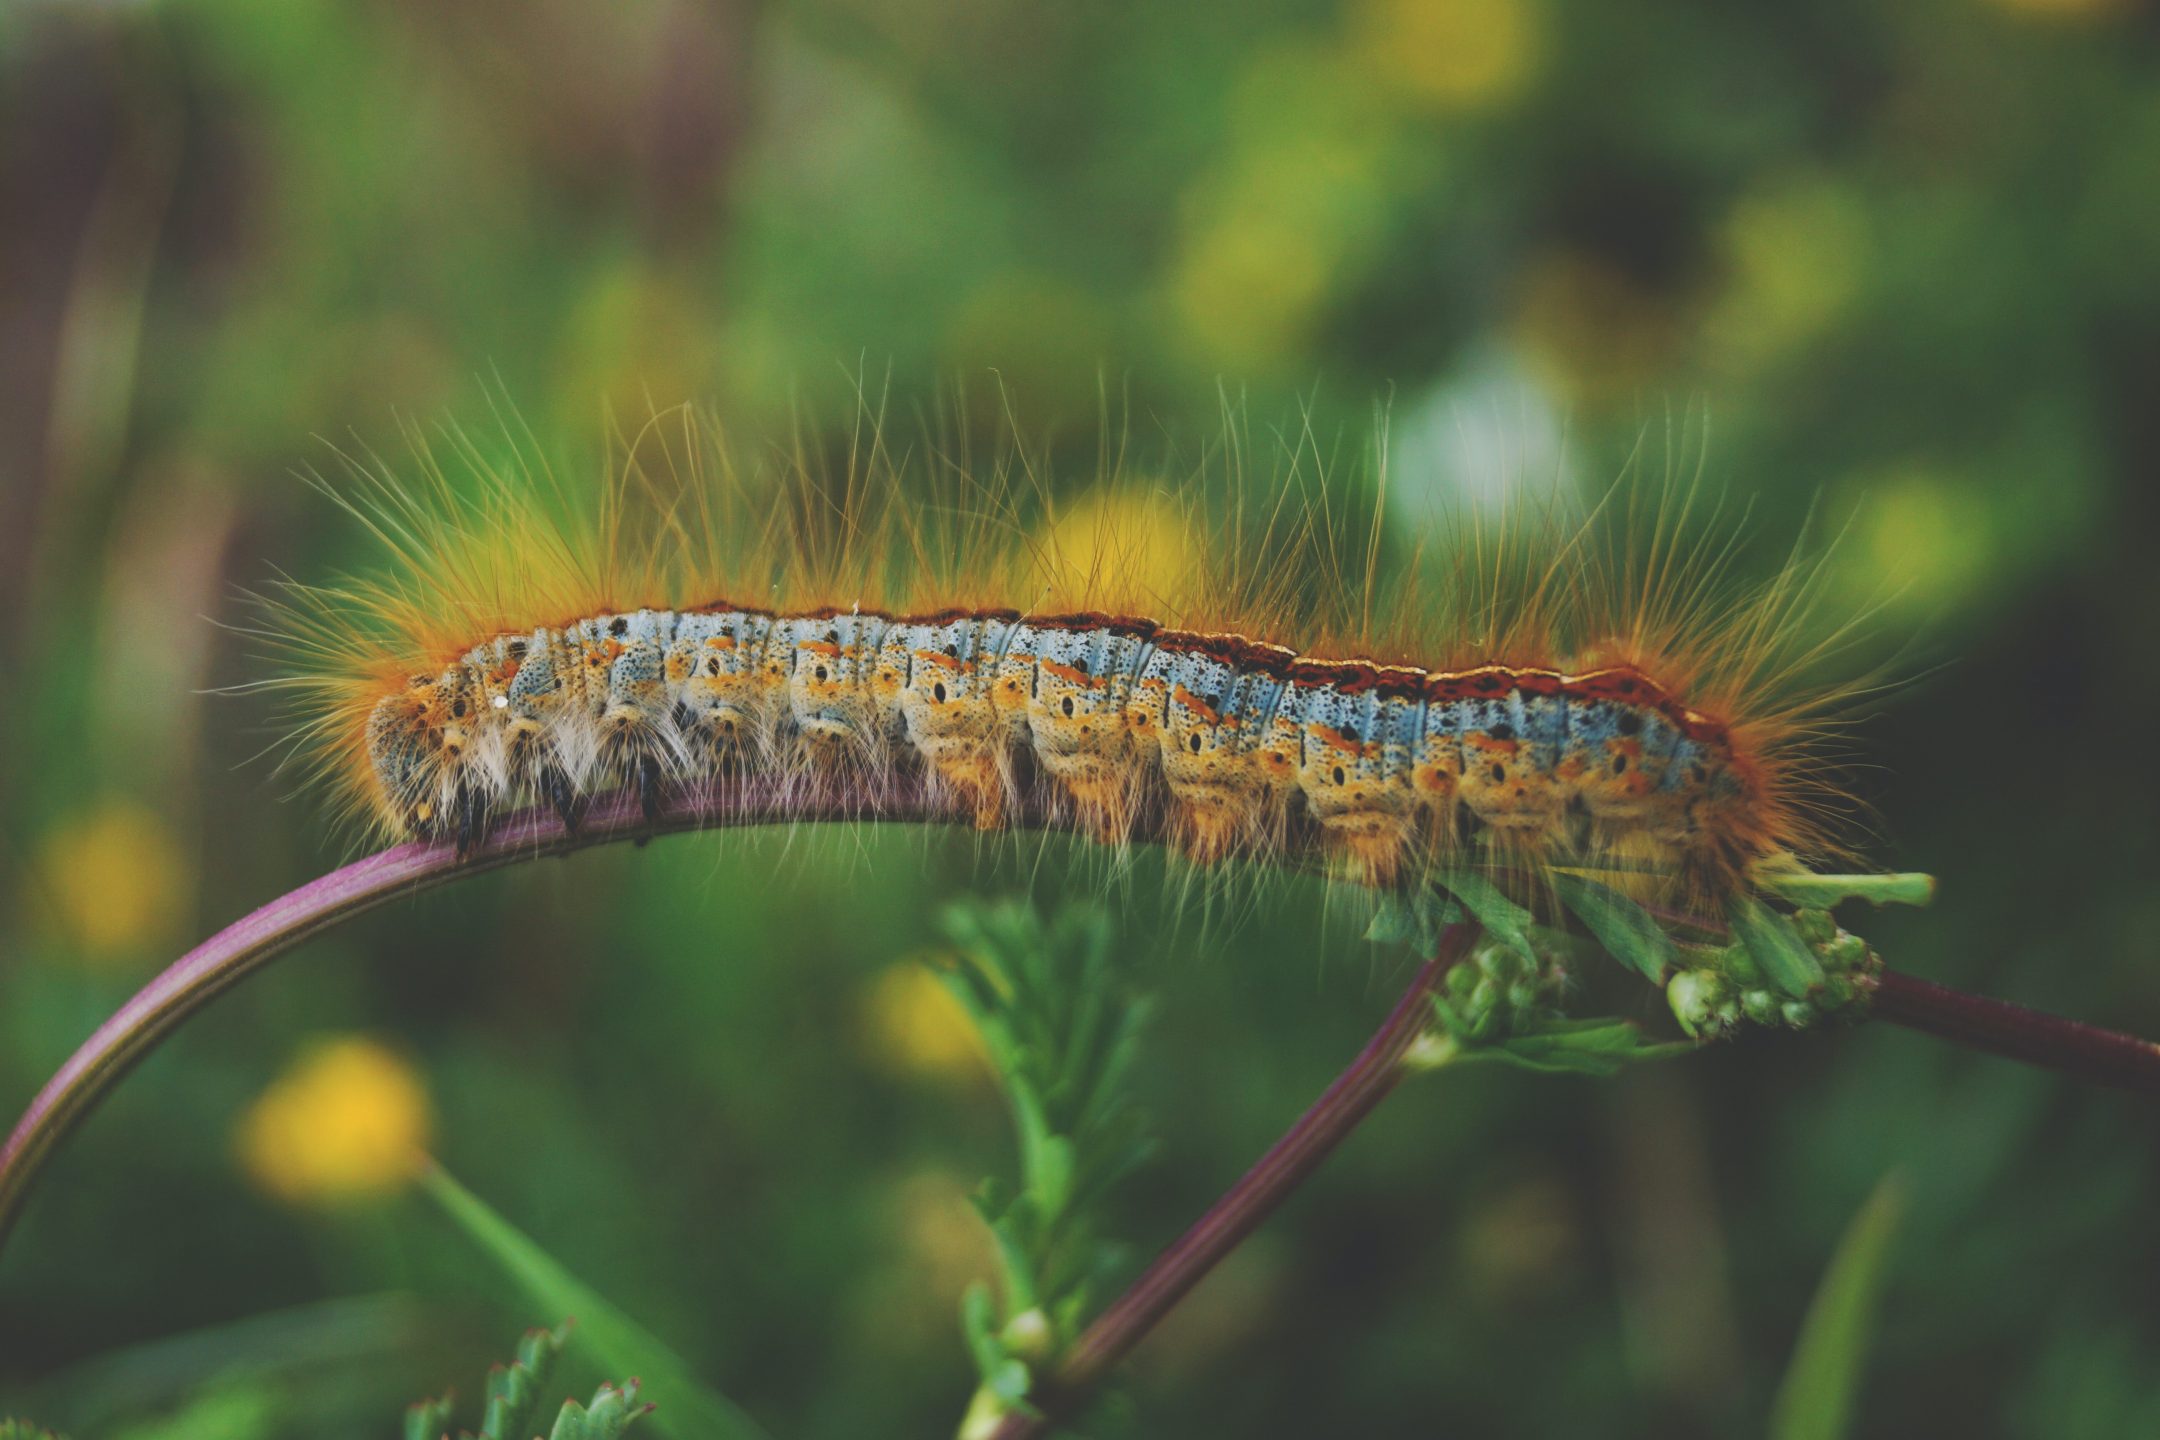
{"x": 1549, "y": 687}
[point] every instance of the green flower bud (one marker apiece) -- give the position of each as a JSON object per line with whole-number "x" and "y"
{"x": 1760, "y": 1006}
{"x": 1028, "y": 1335}
{"x": 1800, "y": 1014}
{"x": 1846, "y": 952}
{"x": 1815, "y": 926}
{"x": 1735, "y": 961}
{"x": 1486, "y": 1019}
{"x": 1700, "y": 1000}
{"x": 1505, "y": 964}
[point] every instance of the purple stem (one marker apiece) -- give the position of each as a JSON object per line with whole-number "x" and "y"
{"x": 2106, "y": 1057}
{"x": 1360, "y": 1087}
{"x": 240, "y": 949}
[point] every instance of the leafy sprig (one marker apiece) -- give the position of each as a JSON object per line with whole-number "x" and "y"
{"x": 513, "y": 1401}
{"x": 1061, "y": 1031}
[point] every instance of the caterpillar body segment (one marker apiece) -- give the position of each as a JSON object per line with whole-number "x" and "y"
{"x": 1208, "y": 702}
{"x": 941, "y": 668}
{"x": 1241, "y": 740}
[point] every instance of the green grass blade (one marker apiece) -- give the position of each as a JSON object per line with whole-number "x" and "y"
{"x": 1815, "y": 1401}
{"x": 688, "y": 1409}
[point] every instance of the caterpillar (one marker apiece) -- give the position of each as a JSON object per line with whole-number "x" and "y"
{"x": 1544, "y": 686}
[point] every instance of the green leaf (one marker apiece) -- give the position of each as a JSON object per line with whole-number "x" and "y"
{"x": 1624, "y": 928}
{"x": 512, "y": 1399}
{"x": 1815, "y": 1401}
{"x": 1773, "y": 944}
{"x": 1501, "y": 918}
{"x": 979, "y": 1324}
{"x": 610, "y": 1413}
{"x": 1052, "y": 1181}
{"x": 1578, "y": 1047}
{"x": 428, "y": 1420}
{"x": 1820, "y": 892}
{"x": 692, "y": 1412}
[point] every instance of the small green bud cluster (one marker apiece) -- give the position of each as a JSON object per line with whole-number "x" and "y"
{"x": 1794, "y": 970}
{"x": 1495, "y": 993}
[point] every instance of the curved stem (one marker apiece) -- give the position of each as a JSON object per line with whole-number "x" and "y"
{"x": 1288, "y": 1162}
{"x": 245, "y": 946}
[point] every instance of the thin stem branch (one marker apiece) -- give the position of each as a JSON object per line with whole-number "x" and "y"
{"x": 1976, "y": 1022}
{"x": 1286, "y": 1165}
{"x": 245, "y": 946}
{"x": 2106, "y": 1057}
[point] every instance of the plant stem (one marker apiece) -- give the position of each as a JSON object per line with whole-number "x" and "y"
{"x": 245, "y": 946}
{"x": 1285, "y": 1166}
{"x": 1976, "y": 1022}
{"x": 250, "y": 943}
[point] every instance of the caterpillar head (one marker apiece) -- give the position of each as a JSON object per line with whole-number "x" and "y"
{"x": 414, "y": 740}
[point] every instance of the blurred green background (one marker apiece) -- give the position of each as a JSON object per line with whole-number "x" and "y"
{"x": 1906, "y": 258}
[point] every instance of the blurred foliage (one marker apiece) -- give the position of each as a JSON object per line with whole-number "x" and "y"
{"x": 1817, "y": 1400}
{"x": 622, "y": 1345}
{"x": 23, "y": 1430}
{"x": 1896, "y": 261}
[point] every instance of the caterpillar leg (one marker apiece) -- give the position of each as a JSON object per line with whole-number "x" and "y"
{"x": 473, "y": 820}
{"x": 647, "y": 770}
{"x": 555, "y": 784}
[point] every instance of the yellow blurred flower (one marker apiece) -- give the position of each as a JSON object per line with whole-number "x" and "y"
{"x": 1457, "y": 54}
{"x": 1926, "y": 542}
{"x": 1249, "y": 285}
{"x": 1121, "y": 548}
{"x": 639, "y": 334}
{"x": 1794, "y": 251}
{"x": 938, "y": 1246}
{"x": 942, "y": 1233}
{"x": 912, "y": 1025}
{"x": 1294, "y": 208}
{"x": 349, "y": 1119}
{"x": 111, "y": 879}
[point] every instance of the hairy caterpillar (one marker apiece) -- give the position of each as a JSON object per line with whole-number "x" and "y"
{"x": 1546, "y": 687}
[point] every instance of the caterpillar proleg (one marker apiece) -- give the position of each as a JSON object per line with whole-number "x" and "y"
{"x": 1549, "y": 685}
